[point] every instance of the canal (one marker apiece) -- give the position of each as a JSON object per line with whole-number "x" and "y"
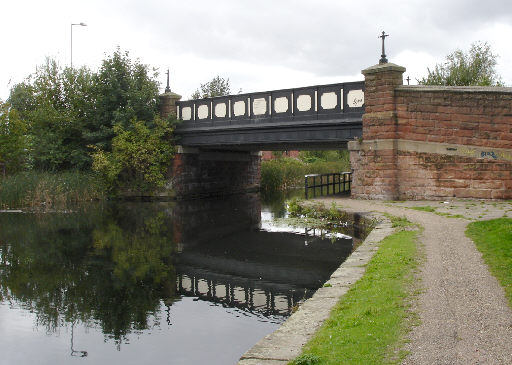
{"x": 196, "y": 282}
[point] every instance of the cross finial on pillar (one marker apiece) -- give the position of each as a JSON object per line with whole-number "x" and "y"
{"x": 408, "y": 79}
{"x": 383, "y": 58}
{"x": 168, "y": 88}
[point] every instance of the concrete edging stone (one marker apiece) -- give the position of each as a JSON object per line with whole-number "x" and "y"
{"x": 285, "y": 343}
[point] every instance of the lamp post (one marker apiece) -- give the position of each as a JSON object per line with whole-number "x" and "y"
{"x": 82, "y": 25}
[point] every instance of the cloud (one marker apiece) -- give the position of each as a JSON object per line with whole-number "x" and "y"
{"x": 254, "y": 42}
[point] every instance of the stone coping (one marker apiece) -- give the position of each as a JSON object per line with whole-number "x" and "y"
{"x": 461, "y": 89}
{"x": 383, "y": 67}
{"x": 285, "y": 343}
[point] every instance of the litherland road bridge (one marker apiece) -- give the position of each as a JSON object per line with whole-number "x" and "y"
{"x": 405, "y": 142}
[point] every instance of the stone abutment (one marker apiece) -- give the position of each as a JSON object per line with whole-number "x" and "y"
{"x": 431, "y": 142}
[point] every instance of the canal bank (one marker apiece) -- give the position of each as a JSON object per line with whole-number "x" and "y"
{"x": 463, "y": 311}
{"x": 285, "y": 344}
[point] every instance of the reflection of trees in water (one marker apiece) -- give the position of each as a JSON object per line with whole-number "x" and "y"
{"x": 101, "y": 268}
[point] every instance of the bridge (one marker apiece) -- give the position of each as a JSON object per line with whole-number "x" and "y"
{"x": 413, "y": 142}
{"x": 324, "y": 116}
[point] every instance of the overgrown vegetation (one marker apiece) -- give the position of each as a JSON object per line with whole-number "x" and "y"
{"x": 66, "y": 119}
{"x": 284, "y": 173}
{"x": 44, "y": 189}
{"x": 139, "y": 159}
{"x": 316, "y": 215}
{"x": 493, "y": 238}
{"x": 370, "y": 321}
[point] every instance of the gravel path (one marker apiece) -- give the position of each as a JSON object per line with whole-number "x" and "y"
{"x": 465, "y": 318}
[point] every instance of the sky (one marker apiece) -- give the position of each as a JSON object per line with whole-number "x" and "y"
{"x": 258, "y": 45}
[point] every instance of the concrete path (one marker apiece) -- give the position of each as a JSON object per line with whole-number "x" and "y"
{"x": 465, "y": 318}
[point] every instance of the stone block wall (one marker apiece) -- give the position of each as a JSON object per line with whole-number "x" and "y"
{"x": 196, "y": 173}
{"x": 424, "y": 142}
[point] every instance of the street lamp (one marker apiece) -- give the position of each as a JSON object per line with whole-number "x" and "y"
{"x": 82, "y": 25}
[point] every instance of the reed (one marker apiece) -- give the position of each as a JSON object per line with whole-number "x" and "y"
{"x": 49, "y": 189}
{"x": 285, "y": 173}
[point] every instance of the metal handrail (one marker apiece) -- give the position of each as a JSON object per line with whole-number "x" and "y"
{"x": 342, "y": 180}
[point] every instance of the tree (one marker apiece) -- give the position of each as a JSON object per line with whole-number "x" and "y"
{"x": 218, "y": 86}
{"x": 56, "y": 103}
{"x": 13, "y": 139}
{"x": 477, "y": 67}
{"x": 124, "y": 90}
{"x": 68, "y": 109}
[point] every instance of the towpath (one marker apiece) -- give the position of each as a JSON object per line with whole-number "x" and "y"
{"x": 465, "y": 318}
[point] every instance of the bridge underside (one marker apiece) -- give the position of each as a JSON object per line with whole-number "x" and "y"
{"x": 301, "y": 135}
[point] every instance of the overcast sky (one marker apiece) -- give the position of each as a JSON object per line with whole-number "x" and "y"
{"x": 259, "y": 45}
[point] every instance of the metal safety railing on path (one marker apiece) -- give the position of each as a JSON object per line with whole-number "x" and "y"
{"x": 342, "y": 180}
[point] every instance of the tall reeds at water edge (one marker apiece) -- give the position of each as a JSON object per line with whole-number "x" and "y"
{"x": 50, "y": 189}
{"x": 285, "y": 173}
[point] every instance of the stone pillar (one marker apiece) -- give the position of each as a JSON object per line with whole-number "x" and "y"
{"x": 374, "y": 157}
{"x": 168, "y": 104}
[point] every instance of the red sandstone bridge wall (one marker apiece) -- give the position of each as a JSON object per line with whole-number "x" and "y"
{"x": 432, "y": 142}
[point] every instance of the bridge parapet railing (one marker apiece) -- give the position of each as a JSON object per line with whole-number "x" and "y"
{"x": 306, "y": 103}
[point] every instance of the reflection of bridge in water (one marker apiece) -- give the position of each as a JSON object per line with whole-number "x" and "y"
{"x": 267, "y": 299}
{"x": 233, "y": 254}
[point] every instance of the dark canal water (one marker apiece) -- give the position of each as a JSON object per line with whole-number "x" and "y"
{"x": 177, "y": 283}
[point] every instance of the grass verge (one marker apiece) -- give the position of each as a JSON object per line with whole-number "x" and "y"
{"x": 493, "y": 238}
{"x": 369, "y": 323}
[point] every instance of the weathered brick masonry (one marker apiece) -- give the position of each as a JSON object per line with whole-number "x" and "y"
{"x": 197, "y": 173}
{"x": 424, "y": 142}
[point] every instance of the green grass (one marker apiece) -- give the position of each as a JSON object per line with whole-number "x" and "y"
{"x": 448, "y": 215}
{"x": 494, "y": 240}
{"x": 426, "y": 208}
{"x": 36, "y": 189}
{"x": 369, "y": 323}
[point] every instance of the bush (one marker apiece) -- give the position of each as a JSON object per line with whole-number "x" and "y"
{"x": 139, "y": 159}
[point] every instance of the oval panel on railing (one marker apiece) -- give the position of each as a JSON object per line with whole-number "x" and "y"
{"x": 186, "y": 113}
{"x": 329, "y": 100}
{"x": 259, "y": 106}
{"x": 355, "y": 98}
{"x": 220, "y": 110}
{"x": 281, "y": 104}
{"x": 202, "y": 112}
{"x": 239, "y": 108}
{"x": 304, "y": 103}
